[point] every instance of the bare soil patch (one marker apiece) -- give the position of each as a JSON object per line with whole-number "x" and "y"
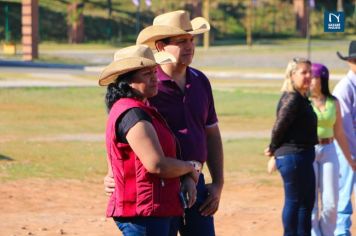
{"x": 71, "y": 207}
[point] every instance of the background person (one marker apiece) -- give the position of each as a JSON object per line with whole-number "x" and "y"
{"x": 185, "y": 100}
{"x": 326, "y": 164}
{"x": 141, "y": 149}
{"x": 345, "y": 92}
{"x": 294, "y": 135}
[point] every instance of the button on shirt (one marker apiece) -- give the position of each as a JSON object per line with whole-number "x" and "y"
{"x": 187, "y": 113}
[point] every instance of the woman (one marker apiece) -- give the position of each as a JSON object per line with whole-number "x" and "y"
{"x": 141, "y": 149}
{"x": 293, "y": 138}
{"x": 326, "y": 165}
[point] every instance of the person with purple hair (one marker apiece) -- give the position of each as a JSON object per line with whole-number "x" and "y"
{"x": 326, "y": 164}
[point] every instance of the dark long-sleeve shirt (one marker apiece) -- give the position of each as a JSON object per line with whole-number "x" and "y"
{"x": 295, "y": 128}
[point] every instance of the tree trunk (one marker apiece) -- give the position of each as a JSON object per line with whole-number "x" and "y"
{"x": 75, "y": 22}
{"x": 340, "y": 5}
{"x": 300, "y": 9}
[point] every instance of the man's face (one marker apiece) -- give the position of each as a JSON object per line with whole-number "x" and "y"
{"x": 182, "y": 47}
{"x": 352, "y": 64}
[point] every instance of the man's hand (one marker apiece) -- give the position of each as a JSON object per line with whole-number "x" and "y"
{"x": 189, "y": 189}
{"x": 211, "y": 204}
{"x": 109, "y": 184}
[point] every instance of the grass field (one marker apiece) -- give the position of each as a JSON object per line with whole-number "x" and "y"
{"x": 40, "y": 129}
{"x": 59, "y": 132}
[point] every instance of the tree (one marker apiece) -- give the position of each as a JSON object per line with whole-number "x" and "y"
{"x": 75, "y": 21}
{"x": 340, "y": 6}
{"x": 300, "y": 9}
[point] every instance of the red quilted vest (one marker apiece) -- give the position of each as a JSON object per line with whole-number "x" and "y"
{"x": 137, "y": 192}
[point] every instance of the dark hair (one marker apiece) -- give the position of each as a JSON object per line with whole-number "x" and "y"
{"x": 120, "y": 88}
{"x": 322, "y": 72}
{"x": 165, "y": 41}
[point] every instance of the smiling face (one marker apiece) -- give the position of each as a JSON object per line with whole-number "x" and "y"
{"x": 301, "y": 77}
{"x": 144, "y": 82}
{"x": 182, "y": 47}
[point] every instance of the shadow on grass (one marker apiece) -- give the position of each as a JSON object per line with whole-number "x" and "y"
{"x": 5, "y": 158}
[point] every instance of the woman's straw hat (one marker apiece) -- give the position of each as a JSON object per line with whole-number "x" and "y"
{"x": 132, "y": 58}
{"x": 172, "y": 24}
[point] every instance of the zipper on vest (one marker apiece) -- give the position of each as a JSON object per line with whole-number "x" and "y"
{"x": 162, "y": 182}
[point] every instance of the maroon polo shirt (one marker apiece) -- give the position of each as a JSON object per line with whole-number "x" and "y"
{"x": 187, "y": 113}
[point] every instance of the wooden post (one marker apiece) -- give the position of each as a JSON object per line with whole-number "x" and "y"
{"x": 75, "y": 22}
{"x": 29, "y": 30}
{"x": 249, "y": 23}
{"x": 301, "y": 17}
{"x": 340, "y": 5}
{"x": 206, "y": 41}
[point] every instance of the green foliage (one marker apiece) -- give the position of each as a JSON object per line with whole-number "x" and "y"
{"x": 227, "y": 19}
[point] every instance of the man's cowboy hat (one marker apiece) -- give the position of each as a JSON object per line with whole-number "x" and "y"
{"x": 172, "y": 24}
{"x": 132, "y": 58}
{"x": 352, "y": 52}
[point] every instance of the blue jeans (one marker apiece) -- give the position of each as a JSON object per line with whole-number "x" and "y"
{"x": 148, "y": 226}
{"x": 193, "y": 223}
{"x": 347, "y": 183}
{"x": 326, "y": 168}
{"x": 299, "y": 190}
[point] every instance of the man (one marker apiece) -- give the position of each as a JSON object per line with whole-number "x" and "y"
{"x": 345, "y": 91}
{"x": 186, "y": 102}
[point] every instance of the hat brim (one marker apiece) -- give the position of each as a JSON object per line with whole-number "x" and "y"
{"x": 352, "y": 56}
{"x": 119, "y": 67}
{"x": 153, "y": 33}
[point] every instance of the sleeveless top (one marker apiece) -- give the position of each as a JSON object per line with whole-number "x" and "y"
{"x": 326, "y": 119}
{"x": 138, "y": 192}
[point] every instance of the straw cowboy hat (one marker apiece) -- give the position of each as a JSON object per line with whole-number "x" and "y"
{"x": 172, "y": 24}
{"x": 352, "y": 52}
{"x": 132, "y": 58}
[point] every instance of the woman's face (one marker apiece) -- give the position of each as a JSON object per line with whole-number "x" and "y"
{"x": 301, "y": 78}
{"x": 315, "y": 85}
{"x": 144, "y": 82}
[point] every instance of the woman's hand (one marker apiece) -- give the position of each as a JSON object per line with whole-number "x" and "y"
{"x": 194, "y": 175}
{"x": 271, "y": 165}
{"x": 109, "y": 184}
{"x": 268, "y": 152}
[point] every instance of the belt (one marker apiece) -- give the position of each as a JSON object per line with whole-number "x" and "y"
{"x": 197, "y": 165}
{"x": 324, "y": 141}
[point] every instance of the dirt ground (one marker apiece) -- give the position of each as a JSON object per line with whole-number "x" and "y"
{"x": 44, "y": 207}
